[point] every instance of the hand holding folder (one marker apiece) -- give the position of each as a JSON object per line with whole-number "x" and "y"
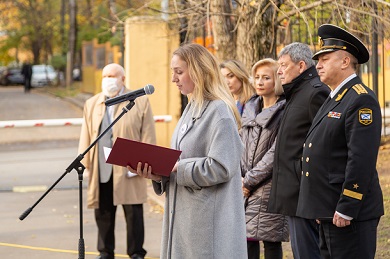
{"x": 128, "y": 152}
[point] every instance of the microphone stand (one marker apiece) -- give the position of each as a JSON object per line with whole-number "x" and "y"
{"x": 79, "y": 167}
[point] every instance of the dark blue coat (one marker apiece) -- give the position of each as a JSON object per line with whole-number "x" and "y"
{"x": 340, "y": 155}
{"x": 304, "y": 96}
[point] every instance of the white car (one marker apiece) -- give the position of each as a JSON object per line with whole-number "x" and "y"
{"x": 43, "y": 75}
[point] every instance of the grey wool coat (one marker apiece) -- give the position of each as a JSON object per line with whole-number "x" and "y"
{"x": 258, "y": 133}
{"x": 204, "y": 208}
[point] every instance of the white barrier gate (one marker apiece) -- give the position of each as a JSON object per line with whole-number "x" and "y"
{"x": 61, "y": 122}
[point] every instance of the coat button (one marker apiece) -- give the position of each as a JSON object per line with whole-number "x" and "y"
{"x": 307, "y": 174}
{"x": 302, "y": 159}
{"x": 307, "y": 159}
{"x": 310, "y": 144}
{"x": 304, "y": 144}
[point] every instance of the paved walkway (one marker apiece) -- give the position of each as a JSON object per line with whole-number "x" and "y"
{"x": 60, "y": 135}
{"x": 30, "y": 238}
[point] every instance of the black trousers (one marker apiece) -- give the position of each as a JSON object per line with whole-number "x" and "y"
{"x": 272, "y": 250}
{"x": 356, "y": 241}
{"x": 27, "y": 85}
{"x": 105, "y": 220}
{"x": 304, "y": 238}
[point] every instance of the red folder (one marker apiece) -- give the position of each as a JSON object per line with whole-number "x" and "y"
{"x": 128, "y": 152}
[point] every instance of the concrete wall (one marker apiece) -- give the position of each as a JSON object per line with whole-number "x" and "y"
{"x": 95, "y": 56}
{"x": 383, "y": 74}
{"x": 149, "y": 44}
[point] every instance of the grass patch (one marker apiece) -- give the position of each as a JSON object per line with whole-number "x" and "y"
{"x": 383, "y": 242}
{"x": 62, "y": 91}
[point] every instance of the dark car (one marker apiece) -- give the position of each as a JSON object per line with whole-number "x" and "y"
{"x": 11, "y": 76}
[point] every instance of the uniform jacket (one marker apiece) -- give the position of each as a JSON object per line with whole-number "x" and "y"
{"x": 258, "y": 133}
{"x": 204, "y": 208}
{"x": 339, "y": 157}
{"x": 304, "y": 96}
{"x": 137, "y": 124}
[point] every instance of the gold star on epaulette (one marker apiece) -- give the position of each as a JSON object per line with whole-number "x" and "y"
{"x": 355, "y": 186}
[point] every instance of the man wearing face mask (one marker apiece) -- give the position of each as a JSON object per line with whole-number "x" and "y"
{"x": 110, "y": 185}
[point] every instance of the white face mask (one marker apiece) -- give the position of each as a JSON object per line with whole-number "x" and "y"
{"x": 110, "y": 86}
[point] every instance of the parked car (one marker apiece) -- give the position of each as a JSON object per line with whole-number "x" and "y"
{"x": 43, "y": 75}
{"x": 11, "y": 76}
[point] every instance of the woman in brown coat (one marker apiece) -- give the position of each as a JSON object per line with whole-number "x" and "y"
{"x": 260, "y": 122}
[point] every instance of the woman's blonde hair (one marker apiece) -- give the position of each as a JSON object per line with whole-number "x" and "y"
{"x": 239, "y": 70}
{"x": 204, "y": 72}
{"x": 274, "y": 65}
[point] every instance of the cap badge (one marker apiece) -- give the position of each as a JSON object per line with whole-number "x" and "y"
{"x": 320, "y": 42}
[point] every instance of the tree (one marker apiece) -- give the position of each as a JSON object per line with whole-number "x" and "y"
{"x": 250, "y": 30}
{"x": 26, "y": 31}
{"x": 256, "y": 31}
{"x": 72, "y": 41}
{"x": 223, "y": 28}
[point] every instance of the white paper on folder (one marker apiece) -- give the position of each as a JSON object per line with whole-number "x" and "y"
{"x": 107, "y": 152}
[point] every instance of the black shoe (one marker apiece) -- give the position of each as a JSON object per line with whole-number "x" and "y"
{"x": 104, "y": 257}
{"x": 137, "y": 256}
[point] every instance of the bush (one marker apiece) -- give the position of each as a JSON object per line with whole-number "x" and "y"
{"x": 58, "y": 62}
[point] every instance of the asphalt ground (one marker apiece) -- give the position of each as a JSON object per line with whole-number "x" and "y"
{"x": 52, "y": 229}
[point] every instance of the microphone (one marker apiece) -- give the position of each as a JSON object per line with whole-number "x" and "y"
{"x": 148, "y": 89}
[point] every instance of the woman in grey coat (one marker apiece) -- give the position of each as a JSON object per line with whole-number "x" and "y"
{"x": 204, "y": 215}
{"x": 260, "y": 123}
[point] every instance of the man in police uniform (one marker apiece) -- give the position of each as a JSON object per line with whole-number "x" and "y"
{"x": 339, "y": 185}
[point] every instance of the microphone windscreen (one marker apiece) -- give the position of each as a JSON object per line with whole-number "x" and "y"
{"x": 149, "y": 89}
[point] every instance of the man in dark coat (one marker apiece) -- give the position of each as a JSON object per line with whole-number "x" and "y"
{"x": 27, "y": 73}
{"x": 340, "y": 186}
{"x": 305, "y": 94}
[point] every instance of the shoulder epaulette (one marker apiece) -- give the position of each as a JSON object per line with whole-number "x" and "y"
{"x": 359, "y": 89}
